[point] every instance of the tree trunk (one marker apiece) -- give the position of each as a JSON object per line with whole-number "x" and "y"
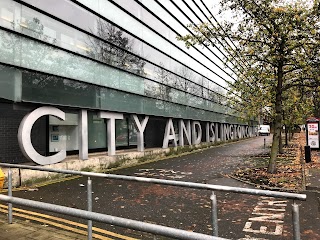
{"x": 290, "y": 134}
{"x": 278, "y": 117}
{"x": 286, "y": 131}
{"x": 274, "y": 148}
{"x": 280, "y": 142}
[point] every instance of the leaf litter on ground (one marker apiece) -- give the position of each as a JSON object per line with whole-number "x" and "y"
{"x": 290, "y": 167}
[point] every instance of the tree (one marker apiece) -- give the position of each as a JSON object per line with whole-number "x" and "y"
{"x": 164, "y": 78}
{"x": 275, "y": 41}
{"x": 116, "y": 50}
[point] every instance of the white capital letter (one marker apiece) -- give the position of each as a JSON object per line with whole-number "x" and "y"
{"x": 24, "y": 136}
{"x": 196, "y": 135}
{"x": 140, "y": 128}
{"x": 184, "y": 131}
{"x": 111, "y": 129}
{"x": 169, "y": 134}
{"x": 213, "y": 134}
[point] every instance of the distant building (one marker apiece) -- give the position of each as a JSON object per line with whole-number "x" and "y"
{"x": 113, "y": 56}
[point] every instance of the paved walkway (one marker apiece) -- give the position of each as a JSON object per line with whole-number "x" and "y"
{"x": 313, "y": 174}
{"x": 25, "y": 230}
{"x": 313, "y": 180}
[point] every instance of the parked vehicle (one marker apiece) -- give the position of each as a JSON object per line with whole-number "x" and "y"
{"x": 264, "y": 130}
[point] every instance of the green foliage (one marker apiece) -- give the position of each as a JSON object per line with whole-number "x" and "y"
{"x": 275, "y": 56}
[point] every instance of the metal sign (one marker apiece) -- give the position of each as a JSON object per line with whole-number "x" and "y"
{"x": 192, "y": 133}
{"x": 313, "y": 134}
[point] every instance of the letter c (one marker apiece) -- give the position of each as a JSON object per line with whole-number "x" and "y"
{"x": 24, "y": 136}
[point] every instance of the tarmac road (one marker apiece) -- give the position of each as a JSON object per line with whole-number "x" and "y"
{"x": 186, "y": 208}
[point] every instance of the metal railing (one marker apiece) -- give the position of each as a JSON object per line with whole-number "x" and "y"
{"x": 117, "y": 221}
{"x": 133, "y": 224}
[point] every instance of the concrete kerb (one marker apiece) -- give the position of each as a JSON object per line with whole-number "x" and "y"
{"x": 101, "y": 162}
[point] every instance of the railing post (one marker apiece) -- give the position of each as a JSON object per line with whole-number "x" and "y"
{"x": 295, "y": 221}
{"x": 9, "y": 195}
{"x": 89, "y": 198}
{"x": 214, "y": 214}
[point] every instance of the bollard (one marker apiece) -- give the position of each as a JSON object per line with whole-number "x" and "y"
{"x": 214, "y": 214}
{"x": 89, "y": 197}
{"x": 307, "y": 154}
{"x": 295, "y": 221}
{"x": 9, "y": 195}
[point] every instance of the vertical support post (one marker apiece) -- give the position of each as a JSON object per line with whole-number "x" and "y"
{"x": 83, "y": 134}
{"x": 9, "y": 195}
{"x": 89, "y": 198}
{"x": 264, "y": 143}
{"x": 213, "y": 198}
{"x": 295, "y": 221}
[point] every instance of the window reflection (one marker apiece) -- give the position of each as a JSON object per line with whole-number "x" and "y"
{"x": 115, "y": 47}
{"x": 63, "y": 134}
{"x": 93, "y": 47}
{"x": 131, "y": 6}
{"x": 112, "y": 53}
{"x": 97, "y": 137}
{"x": 6, "y": 14}
{"x": 44, "y": 88}
{"x": 36, "y": 56}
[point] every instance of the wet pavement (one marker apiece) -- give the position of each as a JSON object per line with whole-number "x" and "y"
{"x": 25, "y": 230}
{"x": 189, "y": 209}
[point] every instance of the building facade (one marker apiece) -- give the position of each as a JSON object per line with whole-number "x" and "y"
{"x": 118, "y": 57}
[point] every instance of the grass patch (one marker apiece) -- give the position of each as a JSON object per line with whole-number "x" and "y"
{"x": 87, "y": 169}
{"x": 37, "y": 180}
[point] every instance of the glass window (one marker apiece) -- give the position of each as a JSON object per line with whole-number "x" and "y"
{"x": 10, "y": 46}
{"x": 154, "y": 23}
{"x": 69, "y": 11}
{"x": 10, "y": 83}
{"x": 37, "y": 87}
{"x": 63, "y": 135}
{"x": 122, "y": 132}
{"x": 97, "y": 132}
{"x": 7, "y": 14}
{"x": 132, "y": 132}
{"x": 131, "y": 6}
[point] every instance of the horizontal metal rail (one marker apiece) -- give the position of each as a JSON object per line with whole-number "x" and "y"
{"x": 117, "y": 221}
{"x": 276, "y": 194}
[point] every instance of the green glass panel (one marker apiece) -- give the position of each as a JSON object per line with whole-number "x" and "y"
{"x": 114, "y": 100}
{"x": 153, "y": 107}
{"x": 109, "y": 77}
{"x": 10, "y": 83}
{"x": 10, "y": 46}
{"x": 42, "y": 88}
{"x": 48, "y": 59}
{"x": 131, "y": 83}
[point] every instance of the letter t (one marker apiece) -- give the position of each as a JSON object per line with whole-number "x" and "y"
{"x": 111, "y": 129}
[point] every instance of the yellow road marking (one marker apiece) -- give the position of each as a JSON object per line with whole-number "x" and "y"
{"x": 16, "y": 189}
{"x": 56, "y": 225}
{"x": 56, "y": 181}
{"x": 99, "y": 230}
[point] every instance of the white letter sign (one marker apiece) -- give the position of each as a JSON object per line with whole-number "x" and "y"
{"x": 24, "y": 136}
